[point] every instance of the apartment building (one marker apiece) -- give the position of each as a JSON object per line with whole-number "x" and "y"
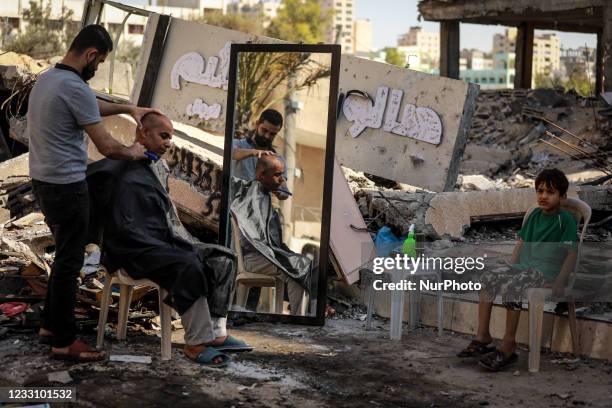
{"x": 11, "y": 14}
{"x": 546, "y": 50}
{"x": 342, "y": 31}
{"x": 421, "y": 49}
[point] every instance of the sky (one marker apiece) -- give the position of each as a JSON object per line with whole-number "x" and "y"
{"x": 390, "y": 18}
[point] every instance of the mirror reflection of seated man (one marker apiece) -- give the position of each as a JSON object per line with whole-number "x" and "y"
{"x": 141, "y": 232}
{"x": 261, "y": 232}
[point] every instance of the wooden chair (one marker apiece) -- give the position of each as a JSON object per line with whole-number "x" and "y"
{"x": 126, "y": 285}
{"x": 536, "y": 296}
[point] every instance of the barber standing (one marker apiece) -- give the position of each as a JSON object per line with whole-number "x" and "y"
{"x": 61, "y": 107}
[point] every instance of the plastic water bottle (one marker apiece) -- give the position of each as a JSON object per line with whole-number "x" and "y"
{"x": 409, "y": 245}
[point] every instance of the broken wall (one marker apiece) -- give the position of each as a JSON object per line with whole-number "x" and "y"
{"x": 413, "y": 131}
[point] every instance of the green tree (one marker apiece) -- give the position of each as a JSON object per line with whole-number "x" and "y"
{"x": 251, "y": 23}
{"x": 301, "y": 21}
{"x": 44, "y": 36}
{"x": 579, "y": 82}
{"x": 265, "y": 78}
{"x": 394, "y": 57}
{"x": 547, "y": 80}
{"x": 130, "y": 53}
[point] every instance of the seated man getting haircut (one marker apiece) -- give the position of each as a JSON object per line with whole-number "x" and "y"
{"x": 141, "y": 233}
{"x": 261, "y": 232}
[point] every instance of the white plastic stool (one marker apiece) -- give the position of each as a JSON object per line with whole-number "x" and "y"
{"x": 126, "y": 285}
{"x": 414, "y": 296}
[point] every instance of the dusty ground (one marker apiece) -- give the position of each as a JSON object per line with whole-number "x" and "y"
{"x": 340, "y": 364}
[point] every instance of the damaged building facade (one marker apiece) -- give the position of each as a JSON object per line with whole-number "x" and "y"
{"x": 582, "y": 16}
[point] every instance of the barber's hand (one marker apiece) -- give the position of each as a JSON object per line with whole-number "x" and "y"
{"x": 259, "y": 153}
{"x": 138, "y": 151}
{"x": 138, "y": 112}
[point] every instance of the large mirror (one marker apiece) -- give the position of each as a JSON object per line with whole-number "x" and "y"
{"x": 278, "y": 168}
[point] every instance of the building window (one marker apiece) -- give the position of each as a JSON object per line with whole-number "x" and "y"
{"x": 501, "y": 80}
{"x": 135, "y": 29}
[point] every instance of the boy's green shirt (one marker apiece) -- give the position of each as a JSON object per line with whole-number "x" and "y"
{"x": 547, "y": 237}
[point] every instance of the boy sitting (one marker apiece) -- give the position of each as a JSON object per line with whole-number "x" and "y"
{"x": 544, "y": 256}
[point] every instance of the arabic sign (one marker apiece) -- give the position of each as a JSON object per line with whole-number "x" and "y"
{"x": 417, "y": 123}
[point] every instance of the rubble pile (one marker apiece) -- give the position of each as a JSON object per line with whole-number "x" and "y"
{"x": 16, "y": 198}
{"x": 508, "y": 125}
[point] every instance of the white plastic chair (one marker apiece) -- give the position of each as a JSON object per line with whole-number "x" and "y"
{"x": 247, "y": 280}
{"x": 126, "y": 285}
{"x": 414, "y": 297}
{"x": 536, "y": 296}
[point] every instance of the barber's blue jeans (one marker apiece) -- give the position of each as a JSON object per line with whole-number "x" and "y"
{"x": 66, "y": 211}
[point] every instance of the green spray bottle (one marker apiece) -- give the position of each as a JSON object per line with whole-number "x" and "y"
{"x": 409, "y": 245}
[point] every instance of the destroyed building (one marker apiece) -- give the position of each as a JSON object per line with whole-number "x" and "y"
{"x": 482, "y": 190}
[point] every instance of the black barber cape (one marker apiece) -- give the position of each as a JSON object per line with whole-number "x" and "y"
{"x": 133, "y": 217}
{"x": 260, "y": 226}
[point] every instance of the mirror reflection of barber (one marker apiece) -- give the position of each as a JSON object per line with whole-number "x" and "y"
{"x": 258, "y": 142}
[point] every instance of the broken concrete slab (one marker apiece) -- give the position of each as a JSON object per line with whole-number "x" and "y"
{"x": 449, "y": 214}
{"x": 17, "y": 166}
{"x": 379, "y": 148}
{"x": 477, "y": 182}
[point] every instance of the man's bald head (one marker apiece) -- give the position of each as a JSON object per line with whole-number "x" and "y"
{"x": 153, "y": 119}
{"x": 156, "y": 133}
{"x": 269, "y": 171}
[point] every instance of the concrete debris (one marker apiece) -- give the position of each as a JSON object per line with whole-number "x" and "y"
{"x": 130, "y": 359}
{"x": 23, "y": 62}
{"x": 477, "y": 183}
{"x": 62, "y": 377}
{"x": 506, "y": 129}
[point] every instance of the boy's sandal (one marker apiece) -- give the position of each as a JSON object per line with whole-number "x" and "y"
{"x": 80, "y": 352}
{"x": 475, "y": 349}
{"x": 233, "y": 344}
{"x": 497, "y": 360}
{"x": 208, "y": 356}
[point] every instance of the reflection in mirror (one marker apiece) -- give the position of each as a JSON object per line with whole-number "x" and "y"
{"x": 276, "y": 189}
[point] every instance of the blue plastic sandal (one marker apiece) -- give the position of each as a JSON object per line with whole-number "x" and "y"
{"x": 233, "y": 344}
{"x": 207, "y": 356}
